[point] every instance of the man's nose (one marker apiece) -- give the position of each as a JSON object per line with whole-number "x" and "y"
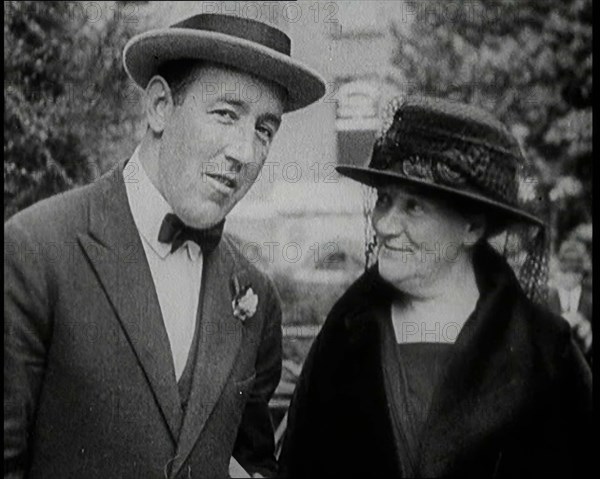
{"x": 240, "y": 148}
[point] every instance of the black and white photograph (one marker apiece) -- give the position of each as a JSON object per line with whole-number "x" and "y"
{"x": 298, "y": 239}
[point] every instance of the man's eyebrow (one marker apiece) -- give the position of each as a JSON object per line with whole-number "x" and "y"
{"x": 275, "y": 119}
{"x": 237, "y": 103}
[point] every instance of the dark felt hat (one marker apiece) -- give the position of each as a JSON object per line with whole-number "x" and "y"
{"x": 248, "y": 45}
{"x": 450, "y": 148}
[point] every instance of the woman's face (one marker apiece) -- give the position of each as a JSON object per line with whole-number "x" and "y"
{"x": 420, "y": 239}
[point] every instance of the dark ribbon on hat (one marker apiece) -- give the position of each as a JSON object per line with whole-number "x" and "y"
{"x": 239, "y": 27}
{"x": 176, "y": 232}
{"x": 452, "y": 145}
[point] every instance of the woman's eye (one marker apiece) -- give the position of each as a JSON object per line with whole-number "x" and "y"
{"x": 413, "y": 206}
{"x": 383, "y": 200}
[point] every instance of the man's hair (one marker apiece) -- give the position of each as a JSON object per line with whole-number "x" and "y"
{"x": 179, "y": 75}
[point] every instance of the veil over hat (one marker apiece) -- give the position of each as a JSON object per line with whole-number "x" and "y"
{"x": 463, "y": 152}
{"x": 244, "y": 44}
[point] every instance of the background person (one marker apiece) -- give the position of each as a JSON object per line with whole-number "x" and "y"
{"x": 571, "y": 295}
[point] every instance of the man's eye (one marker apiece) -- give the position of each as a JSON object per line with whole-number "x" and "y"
{"x": 265, "y": 133}
{"x": 227, "y": 114}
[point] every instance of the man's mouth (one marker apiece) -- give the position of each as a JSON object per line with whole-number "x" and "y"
{"x": 224, "y": 180}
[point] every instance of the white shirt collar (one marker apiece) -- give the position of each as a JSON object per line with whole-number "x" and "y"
{"x": 149, "y": 208}
{"x": 569, "y": 299}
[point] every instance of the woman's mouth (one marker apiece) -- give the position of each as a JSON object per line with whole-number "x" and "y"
{"x": 401, "y": 247}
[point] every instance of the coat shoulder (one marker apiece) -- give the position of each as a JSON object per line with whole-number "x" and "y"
{"x": 551, "y": 336}
{"x": 350, "y": 317}
{"x": 362, "y": 294}
{"x": 549, "y": 326}
{"x": 53, "y": 219}
{"x": 62, "y": 216}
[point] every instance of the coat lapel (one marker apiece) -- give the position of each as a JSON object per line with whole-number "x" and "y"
{"x": 484, "y": 384}
{"x": 218, "y": 345}
{"x": 116, "y": 253}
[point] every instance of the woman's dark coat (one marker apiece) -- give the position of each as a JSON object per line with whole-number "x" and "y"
{"x": 516, "y": 400}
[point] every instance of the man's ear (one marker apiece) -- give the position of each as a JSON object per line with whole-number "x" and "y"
{"x": 159, "y": 104}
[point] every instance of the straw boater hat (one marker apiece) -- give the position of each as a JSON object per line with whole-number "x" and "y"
{"x": 450, "y": 148}
{"x": 247, "y": 45}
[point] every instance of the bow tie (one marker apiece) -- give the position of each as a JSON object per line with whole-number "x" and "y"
{"x": 174, "y": 231}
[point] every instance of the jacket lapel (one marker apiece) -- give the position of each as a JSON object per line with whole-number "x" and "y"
{"x": 218, "y": 345}
{"x": 585, "y": 302}
{"x": 115, "y": 250}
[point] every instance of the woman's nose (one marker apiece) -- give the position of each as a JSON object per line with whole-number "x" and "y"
{"x": 388, "y": 223}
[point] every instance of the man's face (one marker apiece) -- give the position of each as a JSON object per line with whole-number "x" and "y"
{"x": 569, "y": 278}
{"x": 215, "y": 143}
{"x": 420, "y": 239}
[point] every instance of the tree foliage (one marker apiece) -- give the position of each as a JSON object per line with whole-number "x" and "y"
{"x": 68, "y": 102}
{"x": 528, "y": 62}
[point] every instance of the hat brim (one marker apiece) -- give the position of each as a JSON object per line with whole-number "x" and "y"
{"x": 144, "y": 53}
{"x": 377, "y": 178}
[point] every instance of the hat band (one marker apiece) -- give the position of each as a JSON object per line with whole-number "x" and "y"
{"x": 242, "y": 28}
{"x": 454, "y": 169}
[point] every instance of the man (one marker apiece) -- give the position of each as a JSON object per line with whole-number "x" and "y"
{"x": 571, "y": 297}
{"x": 144, "y": 345}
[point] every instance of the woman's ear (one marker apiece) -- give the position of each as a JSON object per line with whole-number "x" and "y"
{"x": 476, "y": 227}
{"x": 159, "y": 104}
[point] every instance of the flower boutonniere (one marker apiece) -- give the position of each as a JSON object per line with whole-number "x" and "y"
{"x": 244, "y": 301}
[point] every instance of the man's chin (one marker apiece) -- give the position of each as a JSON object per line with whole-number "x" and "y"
{"x": 204, "y": 217}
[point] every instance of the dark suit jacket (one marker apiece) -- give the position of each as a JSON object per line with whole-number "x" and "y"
{"x": 90, "y": 388}
{"x": 516, "y": 399}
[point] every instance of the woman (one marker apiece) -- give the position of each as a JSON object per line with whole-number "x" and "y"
{"x": 438, "y": 361}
